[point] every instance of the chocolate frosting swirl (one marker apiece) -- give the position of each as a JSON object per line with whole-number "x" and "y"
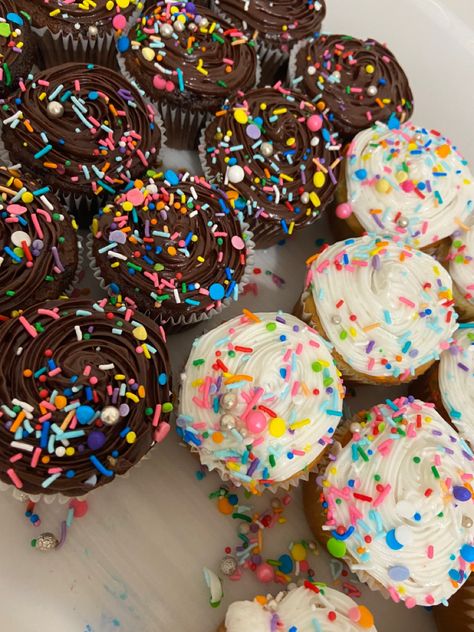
{"x": 280, "y": 22}
{"x": 38, "y": 245}
{"x": 84, "y": 394}
{"x": 190, "y": 55}
{"x": 357, "y": 82}
{"x": 277, "y": 158}
{"x": 15, "y": 45}
{"x": 173, "y": 244}
{"x": 56, "y": 13}
{"x": 105, "y": 136}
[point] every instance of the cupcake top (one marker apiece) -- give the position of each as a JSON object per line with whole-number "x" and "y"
{"x": 80, "y": 15}
{"x": 309, "y": 608}
{"x": 408, "y": 182}
{"x": 38, "y": 244}
{"x": 461, "y": 263}
{"x": 399, "y": 503}
{"x": 82, "y": 128}
{"x": 386, "y": 308}
{"x": 260, "y": 398}
{"x": 14, "y": 36}
{"x": 276, "y": 154}
{"x": 173, "y": 243}
{"x": 185, "y": 52}
{"x": 456, "y": 381}
{"x": 280, "y": 23}
{"x": 356, "y": 82}
{"x": 84, "y": 394}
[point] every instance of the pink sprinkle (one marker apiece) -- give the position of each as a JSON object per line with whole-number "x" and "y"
{"x": 430, "y": 551}
{"x": 29, "y": 328}
{"x": 299, "y": 452}
{"x": 14, "y": 478}
{"x": 406, "y": 301}
{"x": 35, "y": 457}
{"x": 156, "y": 416}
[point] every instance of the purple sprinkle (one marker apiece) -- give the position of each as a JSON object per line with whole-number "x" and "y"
{"x": 463, "y": 366}
{"x": 376, "y": 262}
{"x": 56, "y": 258}
{"x": 279, "y": 319}
{"x": 253, "y": 466}
{"x": 370, "y": 346}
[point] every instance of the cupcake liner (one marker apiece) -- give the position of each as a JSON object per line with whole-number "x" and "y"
{"x": 464, "y": 308}
{"x": 175, "y": 324}
{"x": 184, "y": 125}
{"x": 292, "y": 73}
{"x": 459, "y": 615}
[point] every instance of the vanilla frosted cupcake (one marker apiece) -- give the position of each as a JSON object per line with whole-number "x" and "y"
{"x": 386, "y": 308}
{"x": 461, "y": 269}
{"x": 398, "y": 503}
{"x": 407, "y": 182}
{"x": 450, "y": 384}
{"x": 309, "y": 608}
{"x": 260, "y": 399}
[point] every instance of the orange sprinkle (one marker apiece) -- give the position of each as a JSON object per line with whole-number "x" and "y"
{"x": 251, "y": 315}
{"x": 18, "y": 421}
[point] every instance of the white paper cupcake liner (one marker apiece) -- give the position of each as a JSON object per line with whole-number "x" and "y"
{"x": 182, "y": 321}
{"x": 292, "y": 73}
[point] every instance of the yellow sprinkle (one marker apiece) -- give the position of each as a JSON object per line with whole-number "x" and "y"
{"x": 300, "y": 424}
{"x": 132, "y": 396}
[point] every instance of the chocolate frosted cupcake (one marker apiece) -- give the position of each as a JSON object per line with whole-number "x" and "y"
{"x": 355, "y": 82}
{"x": 386, "y": 308}
{"x": 84, "y": 395}
{"x": 277, "y": 158}
{"x": 313, "y": 607}
{"x": 16, "y": 46}
{"x": 38, "y": 245}
{"x": 74, "y": 30}
{"x": 461, "y": 269}
{"x": 398, "y": 504}
{"x": 188, "y": 61}
{"x": 174, "y": 244}
{"x": 260, "y": 400}
{"x": 407, "y": 182}
{"x": 277, "y": 26}
{"x": 84, "y": 131}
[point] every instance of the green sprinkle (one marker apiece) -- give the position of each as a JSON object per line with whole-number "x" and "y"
{"x": 317, "y": 367}
{"x": 198, "y": 362}
{"x": 240, "y": 516}
{"x": 435, "y": 471}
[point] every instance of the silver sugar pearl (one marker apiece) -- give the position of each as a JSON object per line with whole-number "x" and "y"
{"x": 372, "y": 91}
{"x": 228, "y": 565}
{"x": 54, "y": 110}
{"x": 227, "y": 422}
{"x": 204, "y": 23}
{"x": 311, "y": 70}
{"x": 179, "y": 26}
{"x": 314, "y": 141}
{"x": 467, "y": 522}
{"x": 266, "y": 149}
{"x": 166, "y": 30}
{"x": 193, "y": 27}
{"x": 229, "y": 401}
{"x": 355, "y": 427}
{"x": 403, "y": 222}
{"x": 92, "y": 31}
{"x": 110, "y": 415}
{"x": 47, "y": 542}
{"x": 336, "y": 319}
{"x": 304, "y": 198}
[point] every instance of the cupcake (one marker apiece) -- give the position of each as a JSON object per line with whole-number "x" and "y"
{"x": 277, "y": 158}
{"x": 260, "y": 400}
{"x": 313, "y": 607}
{"x": 38, "y": 245}
{"x": 398, "y": 504}
{"x": 174, "y": 245}
{"x": 461, "y": 269}
{"x": 85, "y": 393}
{"x": 355, "y": 82}
{"x": 16, "y": 46}
{"x": 82, "y": 130}
{"x": 71, "y": 30}
{"x": 188, "y": 61}
{"x": 386, "y": 308}
{"x": 450, "y": 383}
{"x": 407, "y": 182}
{"x": 277, "y": 27}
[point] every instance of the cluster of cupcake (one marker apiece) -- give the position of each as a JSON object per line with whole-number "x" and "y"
{"x": 288, "y": 123}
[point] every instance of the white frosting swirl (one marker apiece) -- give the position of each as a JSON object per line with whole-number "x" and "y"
{"x": 260, "y": 398}
{"x": 461, "y": 264}
{"x": 456, "y": 381}
{"x": 400, "y": 504}
{"x": 386, "y": 308}
{"x": 409, "y": 183}
{"x": 301, "y": 609}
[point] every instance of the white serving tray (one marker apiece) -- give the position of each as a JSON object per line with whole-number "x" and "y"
{"x": 134, "y": 563}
